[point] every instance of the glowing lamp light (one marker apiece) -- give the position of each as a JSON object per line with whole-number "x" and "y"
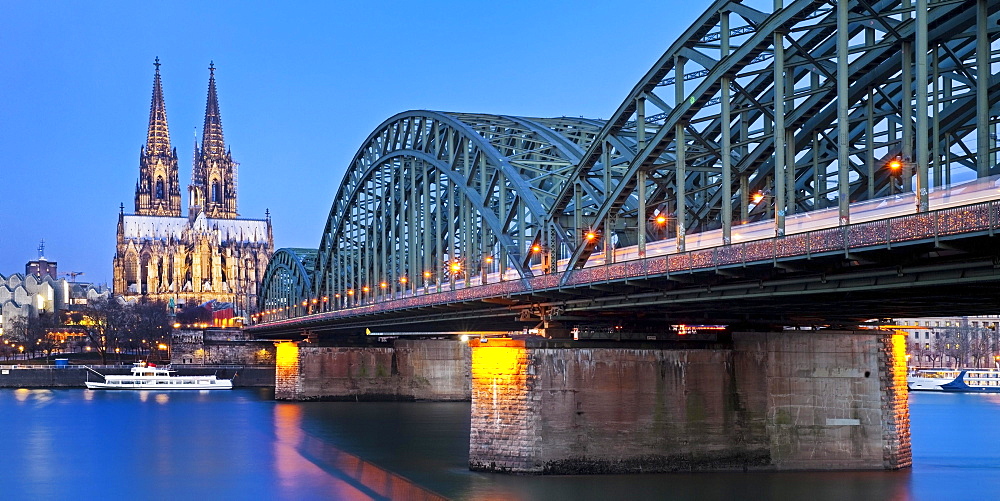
{"x": 403, "y": 280}
{"x": 536, "y": 248}
{"x": 383, "y": 285}
{"x": 489, "y": 259}
{"x": 161, "y": 346}
{"x": 590, "y": 236}
{"x": 661, "y": 220}
{"x": 325, "y": 298}
{"x": 455, "y": 267}
{"x": 177, "y": 326}
{"x": 315, "y": 300}
{"x": 365, "y": 289}
{"x": 895, "y": 165}
{"x": 350, "y": 292}
{"x": 305, "y": 302}
{"x": 427, "y": 274}
{"x": 757, "y": 197}
{"x": 336, "y": 296}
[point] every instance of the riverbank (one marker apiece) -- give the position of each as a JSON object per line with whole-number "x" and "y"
{"x": 74, "y": 376}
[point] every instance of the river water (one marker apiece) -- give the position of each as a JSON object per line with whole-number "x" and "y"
{"x": 241, "y": 444}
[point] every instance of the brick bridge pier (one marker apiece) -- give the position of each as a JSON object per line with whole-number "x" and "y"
{"x": 790, "y": 400}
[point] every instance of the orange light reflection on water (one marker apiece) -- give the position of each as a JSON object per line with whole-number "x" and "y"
{"x": 303, "y": 461}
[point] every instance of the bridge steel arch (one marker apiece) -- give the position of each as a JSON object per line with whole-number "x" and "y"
{"x": 859, "y": 83}
{"x": 805, "y": 103}
{"x": 431, "y": 197}
{"x": 287, "y": 282}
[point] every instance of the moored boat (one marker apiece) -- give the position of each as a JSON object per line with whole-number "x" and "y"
{"x": 955, "y": 380}
{"x": 146, "y": 376}
{"x": 930, "y": 379}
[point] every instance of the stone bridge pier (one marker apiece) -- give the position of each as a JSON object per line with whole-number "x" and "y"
{"x": 401, "y": 369}
{"x": 790, "y": 400}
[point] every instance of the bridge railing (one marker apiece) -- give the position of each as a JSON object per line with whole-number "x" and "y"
{"x": 981, "y": 217}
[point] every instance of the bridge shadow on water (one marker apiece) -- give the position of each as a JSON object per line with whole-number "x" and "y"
{"x": 297, "y": 454}
{"x": 407, "y": 450}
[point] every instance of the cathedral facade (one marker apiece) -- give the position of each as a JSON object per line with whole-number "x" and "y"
{"x": 208, "y": 254}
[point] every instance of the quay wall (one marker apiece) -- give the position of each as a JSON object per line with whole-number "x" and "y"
{"x": 219, "y": 347}
{"x": 20, "y": 376}
{"x": 433, "y": 369}
{"x": 791, "y": 400}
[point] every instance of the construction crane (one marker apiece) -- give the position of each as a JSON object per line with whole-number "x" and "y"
{"x": 72, "y": 275}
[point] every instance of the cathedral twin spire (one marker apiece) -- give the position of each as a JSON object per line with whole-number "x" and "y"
{"x": 158, "y": 137}
{"x": 211, "y": 136}
{"x": 213, "y": 178}
{"x": 157, "y": 192}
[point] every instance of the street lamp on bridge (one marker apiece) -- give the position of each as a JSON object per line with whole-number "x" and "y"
{"x": 454, "y": 269}
{"x": 427, "y": 281}
{"x": 897, "y": 167}
{"x": 487, "y": 266}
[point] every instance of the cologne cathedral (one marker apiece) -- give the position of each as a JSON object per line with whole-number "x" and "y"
{"x": 211, "y": 254}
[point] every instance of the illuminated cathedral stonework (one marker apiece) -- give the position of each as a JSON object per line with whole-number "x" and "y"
{"x": 210, "y": 254}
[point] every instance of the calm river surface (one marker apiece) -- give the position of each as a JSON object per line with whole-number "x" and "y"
{"x": 240, "y": 444}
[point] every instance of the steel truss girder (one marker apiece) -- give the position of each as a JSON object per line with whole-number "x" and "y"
{"x": 877, "y": 32}
{"x": 287, "y": 280}
{"x": 428, "y": 188}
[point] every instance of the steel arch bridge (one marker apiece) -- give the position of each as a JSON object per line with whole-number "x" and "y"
{"x": 288, "y": 279}
{"x": 806, "y": 105}
{"x": 433, "y": 197}
{"x": 753, "y": 114}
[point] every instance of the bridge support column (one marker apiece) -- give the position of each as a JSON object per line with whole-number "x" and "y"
{"x": 288, "y": 366}
{"x": 417, "y": 369}
{"x": 767, "y": 401}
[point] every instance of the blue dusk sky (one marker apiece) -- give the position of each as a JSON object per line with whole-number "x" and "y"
{"x": 301, "y": 85}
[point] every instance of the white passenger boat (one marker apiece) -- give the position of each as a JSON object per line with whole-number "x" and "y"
{"x": 955, "y": 380}
{"x": 146, "y": 376}
{"x": 930, "y": 379}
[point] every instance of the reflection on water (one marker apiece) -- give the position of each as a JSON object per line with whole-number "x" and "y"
{"x": 351, "y": 477}
{"x": 241, "y": 444}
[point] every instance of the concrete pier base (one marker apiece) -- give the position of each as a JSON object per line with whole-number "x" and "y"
{"x": 791, "y": 400}
{"x": 399, "y": 370}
